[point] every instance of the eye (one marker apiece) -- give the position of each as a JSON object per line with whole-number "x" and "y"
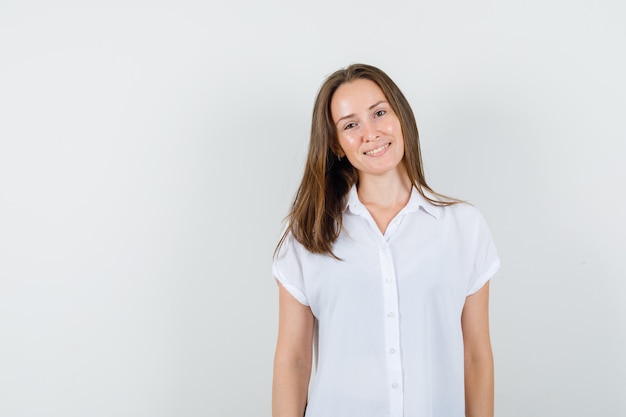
{"x": 349, "y": 126}
{"x": 379, "y": 113}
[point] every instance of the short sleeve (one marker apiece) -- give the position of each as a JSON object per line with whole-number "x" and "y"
{"x": 486, "y": 261}
{"x": 287, "y": 268}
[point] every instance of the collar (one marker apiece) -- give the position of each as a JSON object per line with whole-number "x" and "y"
{"x": 416, "y": 202}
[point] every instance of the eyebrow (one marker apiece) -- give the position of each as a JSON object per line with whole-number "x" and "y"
{"x": 352, "y": 114}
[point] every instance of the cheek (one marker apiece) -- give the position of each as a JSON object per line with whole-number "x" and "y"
{"x": 394, "y": 128}
{"x": 347, "y": 141}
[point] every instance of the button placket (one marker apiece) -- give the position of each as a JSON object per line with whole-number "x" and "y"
{"x": 392, "y": 332}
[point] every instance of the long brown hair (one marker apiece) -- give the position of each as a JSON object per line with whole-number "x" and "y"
{"x": 315, "y": 218}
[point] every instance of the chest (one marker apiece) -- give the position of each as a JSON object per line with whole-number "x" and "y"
{"x": 421, "y": 261}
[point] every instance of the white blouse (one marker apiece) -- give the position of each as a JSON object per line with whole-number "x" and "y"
{"x": 389, "y": 339}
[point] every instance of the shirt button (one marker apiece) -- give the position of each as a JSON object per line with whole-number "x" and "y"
{"x": 391, "y": 314}
{"x": 388, "y": 280}
{"x": 392, "y": 351}
{"x": 394, "y": 385}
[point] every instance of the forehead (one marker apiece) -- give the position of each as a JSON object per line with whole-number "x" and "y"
{"x": 355, "y": 96}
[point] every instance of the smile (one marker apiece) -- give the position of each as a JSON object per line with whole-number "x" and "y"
{"x": 377, "y": 151}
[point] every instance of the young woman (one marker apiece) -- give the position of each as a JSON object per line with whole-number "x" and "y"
{"x": 380, "y": 278}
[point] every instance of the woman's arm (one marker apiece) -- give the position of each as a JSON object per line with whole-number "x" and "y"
{"x": 478, "y": 355}
{"x": 292, "y": 361}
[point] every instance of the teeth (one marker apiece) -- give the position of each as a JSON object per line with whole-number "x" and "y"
{"x": 380, "y": 148}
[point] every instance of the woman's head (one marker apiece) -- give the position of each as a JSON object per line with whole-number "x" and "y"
{"x": 316, "y": 218}
{"x": 325, "y": 149}
{"x": 369, "y": 133}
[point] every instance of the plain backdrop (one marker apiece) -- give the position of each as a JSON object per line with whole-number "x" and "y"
{"x": 149, "y": 151}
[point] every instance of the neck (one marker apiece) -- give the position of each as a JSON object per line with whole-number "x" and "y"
{"x": 388, "y": 190}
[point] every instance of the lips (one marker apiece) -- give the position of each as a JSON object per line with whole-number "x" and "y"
{"x": 377, "y": 151}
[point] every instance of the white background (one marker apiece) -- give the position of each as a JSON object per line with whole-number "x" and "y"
{"x": 149, "y": 151}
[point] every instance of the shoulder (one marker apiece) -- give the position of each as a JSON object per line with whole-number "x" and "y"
{"x": 448, "y": 209}
{"x": 288, "y": 246}
{"x": 466, "y": 220}
{"x": 462, "y": 211}
{"x": 291, "y": 251}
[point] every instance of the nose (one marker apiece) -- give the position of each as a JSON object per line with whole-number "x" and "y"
{"x": 370, "y": 132}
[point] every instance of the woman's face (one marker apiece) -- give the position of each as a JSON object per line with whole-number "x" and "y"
{"x": 368, "y": 130}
